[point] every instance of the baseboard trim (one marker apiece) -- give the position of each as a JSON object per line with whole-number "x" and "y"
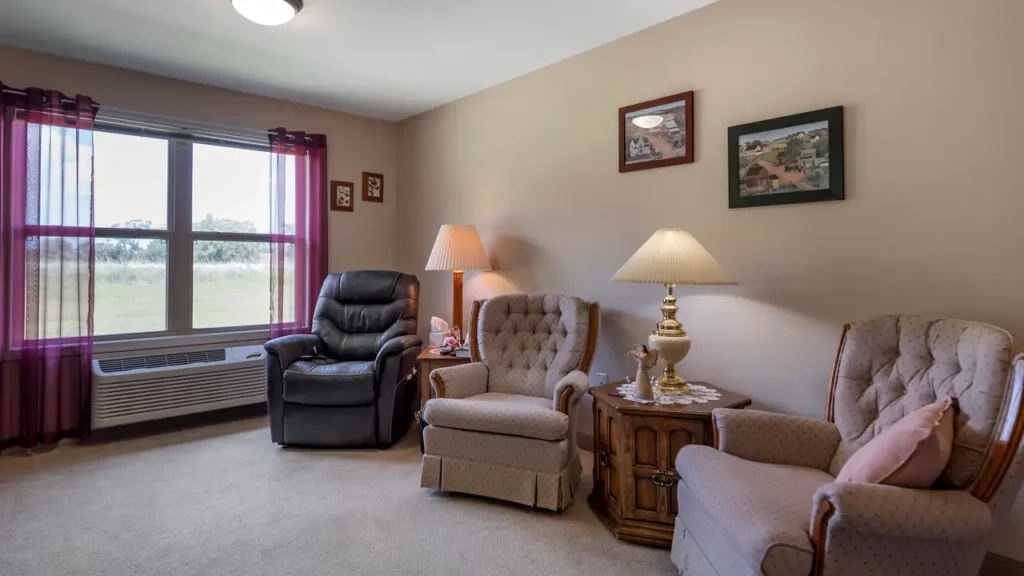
{"x": 177, "y": 423}
{"x": 996, "y": 565}
{"x": 585, "y": 441}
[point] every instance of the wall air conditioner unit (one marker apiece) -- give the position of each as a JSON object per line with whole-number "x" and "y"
{"x": 137, "y": 388}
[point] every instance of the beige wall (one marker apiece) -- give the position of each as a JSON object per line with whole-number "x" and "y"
{"x": 932, "y": 90}
{"x": 931, "y": 225}
{"x": 364, "y": 238}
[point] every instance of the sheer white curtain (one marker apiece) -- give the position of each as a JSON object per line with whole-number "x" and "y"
{"x": 298, "y": 229}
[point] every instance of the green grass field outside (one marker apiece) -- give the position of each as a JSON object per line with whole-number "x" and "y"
{"x": 132, "y": 298}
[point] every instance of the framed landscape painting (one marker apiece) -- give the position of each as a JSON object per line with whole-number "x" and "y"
{"x": 787, "y": 160}
{"x": 656, "y": 133}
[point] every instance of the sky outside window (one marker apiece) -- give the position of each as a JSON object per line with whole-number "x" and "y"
{"x": 230, "y": 184}
{"x": 130, "y": 181}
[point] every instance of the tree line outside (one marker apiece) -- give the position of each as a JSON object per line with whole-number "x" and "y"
{"x": 124, "y": 250}
{"x": 230, "y": 279}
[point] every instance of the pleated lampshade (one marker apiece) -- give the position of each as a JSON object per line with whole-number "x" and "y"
{"x": 672, "y": 257}
{"x": 458, "y": 247}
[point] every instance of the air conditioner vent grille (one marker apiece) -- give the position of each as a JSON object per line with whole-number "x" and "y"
{"x": 115, "y": 365}
{"x": 140, "y": 388}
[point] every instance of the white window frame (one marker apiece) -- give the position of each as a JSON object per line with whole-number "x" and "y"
{"x": 180, "y": 240}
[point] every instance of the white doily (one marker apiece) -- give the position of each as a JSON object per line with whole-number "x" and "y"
{"x": 698, "y": 395}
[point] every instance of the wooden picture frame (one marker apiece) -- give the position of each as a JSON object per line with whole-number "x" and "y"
{"x": 662, "y": 141}
{"x": 373, "y": 187}
{"x": 787, "y": 160}
{"x": 343, "y": 196}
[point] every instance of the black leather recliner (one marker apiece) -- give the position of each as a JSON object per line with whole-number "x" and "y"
{"x": 348, "y": 383}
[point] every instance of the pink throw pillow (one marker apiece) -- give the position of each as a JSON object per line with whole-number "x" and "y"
{"x": 911, "y": 453}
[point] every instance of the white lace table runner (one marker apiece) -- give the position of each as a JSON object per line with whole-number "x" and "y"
{"x": 698, "y": 395}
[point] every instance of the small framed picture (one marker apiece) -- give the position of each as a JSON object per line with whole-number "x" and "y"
{"x": 373, "y": 187}
{"x": 787, "y": 160}
{"x": 342, "y": 196}
{"x": 656, "y": 133}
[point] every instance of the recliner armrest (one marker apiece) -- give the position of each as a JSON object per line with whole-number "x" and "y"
{"x": 395, "y": 347}
{"x": 460, "y": 381}
{"x": 569, "y": 391}
{"x": 953, "y": 515}
{"x": 775, "y": 438}
{"x": 290, "y": 348}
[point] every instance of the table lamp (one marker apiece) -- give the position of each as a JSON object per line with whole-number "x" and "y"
{"x": 671, "y": 257}
{"x": 458, "y": 248}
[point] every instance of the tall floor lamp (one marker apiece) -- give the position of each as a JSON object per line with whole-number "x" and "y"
{"x": 458, "y": 248}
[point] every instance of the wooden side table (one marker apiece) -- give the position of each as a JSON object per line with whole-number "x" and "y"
{"x": 429, "y": 360}
{"x": 635, "y": 447}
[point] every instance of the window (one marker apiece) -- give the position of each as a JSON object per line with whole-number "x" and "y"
{"x": 56, "y": 218}
{"x": 131, "y": 198}
{"x": 183, "y": 238}
{"x": 231, "y": 232}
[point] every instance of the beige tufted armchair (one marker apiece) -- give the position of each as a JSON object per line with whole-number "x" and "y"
{"x": 765, "y": 500}
{"x": 504, "y": 426}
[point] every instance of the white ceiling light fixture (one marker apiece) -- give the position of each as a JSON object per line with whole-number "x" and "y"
{"x": 648, "y": 121}
{"x": 268, "y": 12}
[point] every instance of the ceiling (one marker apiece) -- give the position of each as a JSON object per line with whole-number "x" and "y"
{"x": 387, "y": 59}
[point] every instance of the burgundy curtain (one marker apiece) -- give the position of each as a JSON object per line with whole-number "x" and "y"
{"x": 298, "y": 228}
{"x": 47, "y": 253}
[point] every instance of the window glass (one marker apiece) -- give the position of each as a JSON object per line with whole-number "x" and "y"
{"x": 231, "y": 284}
{"x": 131, "y": 286}
{"x": 62, "y": 163}
{"x": 56, "y": 287}
{"x": 130, "y": 181}
{"x": 137, "y": 185}
{"x": 230, "y": 189}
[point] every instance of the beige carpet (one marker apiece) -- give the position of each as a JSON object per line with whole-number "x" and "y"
{"x": 224, "y": 500}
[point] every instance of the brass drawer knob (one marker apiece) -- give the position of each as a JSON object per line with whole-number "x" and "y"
{"x": 602, "y": 458}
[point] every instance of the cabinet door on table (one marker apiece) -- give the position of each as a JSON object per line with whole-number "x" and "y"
{"x": 651, "y": 445}
{"x": 680, "y": 433}
{"x": 606, "y": 452}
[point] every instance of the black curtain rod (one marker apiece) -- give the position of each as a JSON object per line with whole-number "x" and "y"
{"x": 17, "y": 92}
{"x": 111, "y": 121}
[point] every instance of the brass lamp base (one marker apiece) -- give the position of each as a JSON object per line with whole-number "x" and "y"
{"x": 674, "y": 386}
{"x": 672, "y": 344}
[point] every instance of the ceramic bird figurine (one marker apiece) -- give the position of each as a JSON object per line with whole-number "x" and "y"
{"x": 645, "y": 360}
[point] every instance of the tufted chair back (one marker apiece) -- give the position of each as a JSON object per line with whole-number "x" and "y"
{"x": 358, "y": 312}
{"x": 889, "y": 366}
{"x": 531, "y": 341}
